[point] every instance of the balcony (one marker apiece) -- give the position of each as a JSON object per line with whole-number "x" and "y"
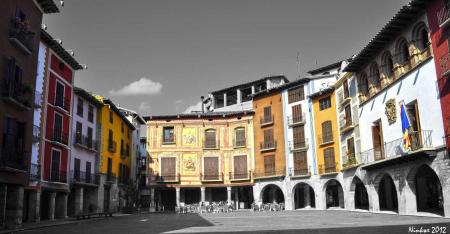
{"x": 393, "y": 151}
{"x": 296, "y": 120}
{"x": 344, "y": 98}
{"x": 263, "y": 174}
{"x": 444, "y": 64}
{"x": 58, "y": 176}
{"x": 17, "y": 93}
{"x": 111, "y": 177}
{"x": 83, "y": 177}
{"x": 112, "y": 146}
{"x": 350, "y": 161}
{"x": 299, "y": 146}
{"x": 35, "y": 133}
{"x": 443, "y": 16}
{"x": 84, "y": 142}
{"x": 240, "y": 175}
{"x": 302, "y": 171}
{"x": 268, "y": 145}
{"x": 10, "y": 157}
{"x": 34, "y": 172}
{"x": 20, "y": 36}
{"x": 211, "y": 177}
{"x": 266, "y": 120}
{"x": 325, "y": 139}
{"x": 62, "y": 103}
{"x": 328, "y": 169}
{"x": 211, "y": 144}
{"x": 59, "y": 137}
{"x": 346, "y": 124}
{"x": 168, "y": 178}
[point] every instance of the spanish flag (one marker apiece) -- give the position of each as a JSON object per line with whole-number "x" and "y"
{"x": 405, "y": 127}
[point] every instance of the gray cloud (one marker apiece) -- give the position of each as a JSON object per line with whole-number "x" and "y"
{"x": 144, "y": 86}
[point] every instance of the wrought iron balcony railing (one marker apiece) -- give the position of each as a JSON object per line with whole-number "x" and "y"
{"x": 12, "y": 157}
{"x": 211, "y": 144}
{"x": 58, "y": 176}
{"x": 84, "y": 142}
{"x": 268, "y": 145}
{"x": 301, "y": 170}
{"x": 350, "y": 160}
{"x": 328, "y": 168}
{"x": 272, "y": 172}
{"x": 325, "y": 139}
{"x": 266, "y": 120}
{"x": 59, "y": 136}
{"x": 299, "y": 146}
{"x": 296, "y": 120}
{"x": 21, "y": 36}
{"x": 83, "y": 177}
{"x": 17, "y": 93}
{"x": 112, "y": 146}
{"x": 238, "y": 175}
{"x": 168, "y": 178}
{"x": 443, "y": 16}
{"x": 211, "y": 176}
{"x": 239, "y": 143}
{"x": 62, "y": 102}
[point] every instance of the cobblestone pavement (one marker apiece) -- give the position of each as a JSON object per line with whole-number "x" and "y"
{"x": 260, "y": 222}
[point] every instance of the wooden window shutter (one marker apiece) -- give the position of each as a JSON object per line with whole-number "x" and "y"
{"x": 211, "y": 168}
{"x": 240, "y": 167}
{"x": 299, "y": 136}
{"x": 327, "y": 132}
{"x": 269, "y": 164}
{"x": 300, "y": 162}
{"x": 297, "y": 113}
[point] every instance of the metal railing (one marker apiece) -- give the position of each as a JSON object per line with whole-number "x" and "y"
{"x": 238, "y": 175}
{"x": 325, "y": 139}
{"x": 82, "y": 177}
{"x": 266, "y": 119}
{"x": 275, "y": 172}
{"x": 59, "y": 136}
{"x": 301, "y": 145}
{"x": 84, "y": 141}
{"x": 346, "y": 122}
{"x": 239, "y": 143}
{"x": 268, "y": 145}
{"x": 350, "y": 160}
{"x": 112, "y": 146}
{"x": 58, "y": 176}
{"x": 11, "y": 157}
{"x": 443, "y": 15}
{"x": 168, "y": 178}
{"x": 328, "y": 168}
{"x": 211, "y": 176}
{"x": 20, "y": 34}
{"x": 293, "y": 120}
{"x": 17, "y": 91}
{"x": 303, "y": 170}
{"x": 418, "y": 140}
{"x": 62, "y": 102}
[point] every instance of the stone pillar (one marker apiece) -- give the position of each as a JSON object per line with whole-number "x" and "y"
{"x": 229, "y": 195}
{"x": 307, "y": 197}
{"x": 202, "y": 194}
{"x": 374, "y": 202}
{"x": 79, "y": 194}
{"x": 321, "y": 199}
{"x": 61, "y": 206}
{"x": 446, "y": 199}
{"x": 236, "y": 198}
{"x": 34, "y": 203}
{"x": 177, "y": 191}
{"x": 152, "y": 200}
{"x": 51, "y": 205}
{"x": 407, "y": 200}
{"x": 3, "y": 195}
{"x": 14, "y": 207}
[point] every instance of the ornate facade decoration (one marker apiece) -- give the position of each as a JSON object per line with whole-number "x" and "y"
{"x": 391, "y": 111}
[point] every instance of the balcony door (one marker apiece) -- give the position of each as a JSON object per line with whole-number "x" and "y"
{"x": 297, "y": 113}
{"x": 415, "y": 130}
{"x": 88, "y": 172}
{"x": 211, "y": 168}
{"x": 269, "y": 165}
{"x": 299, "y": 137}
{"x": 377, "y": 139}
{"x": 59, "y": 98}
{"x": 168, "y": 168}
{"x": 240, "y": 167}
{"x": 77, "y": 169}
{"x": 55, "y": 166}
{"x": 57, "y": 128}
{"x": 300, "y": 163}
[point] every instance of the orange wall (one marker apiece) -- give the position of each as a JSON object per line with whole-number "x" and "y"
{"x": 273, "y": 100}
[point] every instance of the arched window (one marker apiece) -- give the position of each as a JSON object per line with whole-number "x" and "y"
{"x": 210, "y": 139}
{"x": 363, "y": 85}
{"x": 387, "y": 63}
{"x": 420, "y": 36}
{"x": 402, "y": 51}
{"x": 375, "y": 75}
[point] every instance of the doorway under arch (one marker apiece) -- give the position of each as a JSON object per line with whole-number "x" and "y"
{"x": 272, "y": 193}
{"x": 429, "y": 195}
{"x": 334, "y": 194}
{"x": 387, "y": 194}
{"x": 304, "y": 196}
{"x": 361, "y": 197}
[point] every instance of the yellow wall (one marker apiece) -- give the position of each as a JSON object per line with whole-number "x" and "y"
{"x": 189, "y": 150}
{"x": 321, "y": 116}
{"x": 116, "y": 127}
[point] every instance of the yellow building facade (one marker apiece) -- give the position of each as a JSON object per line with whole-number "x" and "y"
{"x": 200, "y": 158}
{"x": 326, "y": 131}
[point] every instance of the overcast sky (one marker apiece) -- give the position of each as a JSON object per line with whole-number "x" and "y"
{"x": 159, "y": 57}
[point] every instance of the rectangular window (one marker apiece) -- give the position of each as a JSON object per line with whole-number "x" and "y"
{"x": 12, "y": 146}
{"x": 296, "y": 94}
{"x": 246, "y": 94}
{"x": 350, "y": 148}
{"x": 300, "y": 163}
{"x": 57, "y": 128}
{"x": 218, "y": 100}
{"x": 299, "y": 137}
{"x": 330, "y": 166}
{"x": 325, "y": 103}
{"x": 268, "y": 139}
{"x": 88, "y": 173}
{"x": 231, "y": 97}
{"x": 80, "y": 107}
{"x": 78, "y": 133}
{"x": 76, "y": 170}
{"x": 269, "y": 165}
{"x": 346, "y": 90}
{"x": 59, "y": 97}
{"x": 168, "y": 135}
{"x": 297, "y": 115}
{"x": 267, "y": 115}
{"x": 90, "y": 143}
{"x": 55, "y": 174}
{"x": 240, "y": 167}
{"x": 240, "y": 139}
{"x": 168, "y": 168}
{"x": 348, "y": 115}
{"x": 91, "y": 114}
{"x": 327, "y": 132}
{"x": 211, "y": 168}
{"x": 210, "y": 139}
{"x": 110, "y": 116}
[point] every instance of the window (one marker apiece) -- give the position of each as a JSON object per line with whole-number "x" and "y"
{"x": 329, "y": 160}
{"x": 168, "y": 135}
{"x": 109, "y": 167}
{"x": 402, "y": 51}
{"x": 218, "y": 100}
{"x": 325, "y": 103}
{"x": 297, "y": 115}
{"x": 388, "y": 64}
{"x": 14, "y": 78}
{"x": 91, "y": 114}
{"x": 57, "y": 128}
{"x": 168, "y": 168}
{"x": 90, "y": 143}
{"x": 348, "y": 116}
{"x": 420, "y": 36}
{"x": 297, "y": 94}
{"x": 211, "y": 168}
{"x": 246, "y": 94}
{"x": 299, "y": 137}
{"x": 78, "y": 133}
{"x": 231, "y": 97}
{"x": 55, "y": 166}
{"x": 269, "y": 165}
{"x": 300, "y": 163}
{"x": 268, "y": 139}
{"x": 346, "y": 90}
{"x": 12, "y": 145}
{"x": 110, "y": 116}
{"x": 267, "y": 115}
{"x": 88, "y": 172}
{"x": 240, "y": 167}
{"x": 210, "y": 139}
{"x": 375, "y": 75}
{"x": 80, "y": 107}
{"x": 240, "y": 137}
{"x": 350, "y": 148}
{"x": 327, "y": 132}
{"x": 363, "y": 85}
{"x": 59, "y": 96}
{"x": 76, "y": 171}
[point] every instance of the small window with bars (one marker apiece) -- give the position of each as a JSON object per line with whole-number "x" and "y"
{"x": 168, "y": 135}
{"x": 325, "y": 103}
{"x": 210, "y": 139}
{"x": 240, "y": 139}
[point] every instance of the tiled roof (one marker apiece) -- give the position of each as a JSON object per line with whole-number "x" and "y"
{"x": 207, "y": 115}
{"x": 115, "y": 109}
{"x": 55, "y": 46}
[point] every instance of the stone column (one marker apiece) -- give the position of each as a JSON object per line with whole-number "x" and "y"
{"x": 14, "y": 207}
{"x": 61, "y": 206}
{"x": 79, "y": 194}
{"x": 202, "y": 194}
{"x": 51, "y": 205}
{"x": 177, "y": 191}
{"x": 3, "y": 195}
{"x": 152, "y": 200}
{"x": 407, "y": 200}
{"x": 307, "y": 197}
{"x": 34, "y": 202}
{"x": 236, "y": 198}
{"x": 229, "y": 195}
{"x": 374, "y": 203}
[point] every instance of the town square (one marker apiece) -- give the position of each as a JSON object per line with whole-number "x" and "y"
{"x": 199, "y": 116}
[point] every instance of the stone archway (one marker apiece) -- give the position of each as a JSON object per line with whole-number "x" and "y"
{"x": 334, "y": 194}
{"x": 272, "y": 193}
{"x": 303, "y": 196}
{"x": 361, "y": 197}
{"x": 387, "y": 194}
{"x": 427, "y": 189}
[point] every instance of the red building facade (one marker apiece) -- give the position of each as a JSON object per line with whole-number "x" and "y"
{"x": 438, "y": 14}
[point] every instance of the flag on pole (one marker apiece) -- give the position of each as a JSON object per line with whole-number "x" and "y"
{"x": 405, "y": 127}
